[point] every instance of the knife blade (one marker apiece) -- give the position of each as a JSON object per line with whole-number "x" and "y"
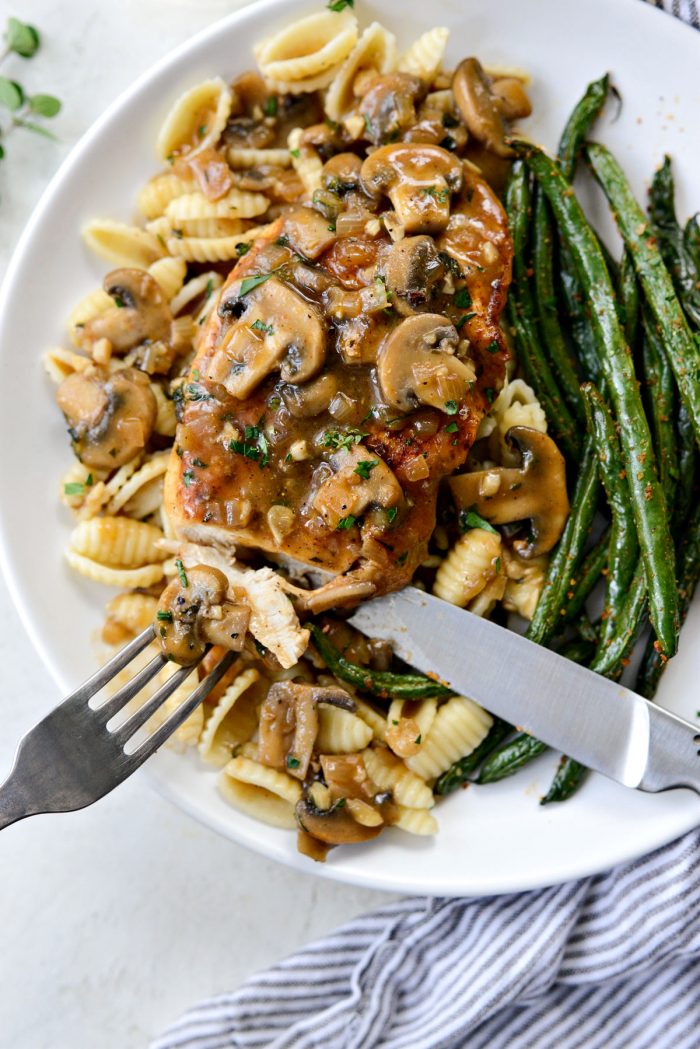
{"x": 598, "y": 722}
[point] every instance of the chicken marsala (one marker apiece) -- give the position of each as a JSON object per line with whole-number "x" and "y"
{"x": 352, "y": 355}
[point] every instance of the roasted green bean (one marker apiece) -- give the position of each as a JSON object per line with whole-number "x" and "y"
{"x": 628, "y": 299}
{"x": 383, "y": 684}
{"x": 679, "y": 260}
{"x": 610, "y": 660}
{"x": 586, "y": 576}
{"x": 646, "y": 493}
{"x": 568, "y": 778}
{"x": 521, "y": 311}
{"x": 459, "y": 772}
{"x": 661, "y": 401}
{"x": 583, "y": 116}
{"x": 687, "y": 469}
{"x": 511, "y": 757}
{"x": 679, "y": 343}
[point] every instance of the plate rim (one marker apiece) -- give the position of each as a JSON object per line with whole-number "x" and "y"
{"x": 362, "y": 875}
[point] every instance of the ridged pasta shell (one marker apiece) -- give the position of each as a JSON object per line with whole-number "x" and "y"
{"x": 77, "y": 473}
{"x": 121, "y": 244}
{"x": 469, "y": 566}
{"x": 125, "y": 578}
{"x": 232, "y": 721}
{"x": 133, "y": 611}
{"x": 376, "y": 49}
{"x": 372, "y": 717}
{"x": 155, "y": 196}
{"x": 166, "y": 419}
{"x": 237, "y": 204}
{"x": 304, "y": 86}
{"x": 59, "y": 363}
{"x": 390, "y": 773}
{"x": 260, "y": 792}
{"x": 118, "y": 542}
{"x": 170, "y": 274}
{"x": 340, "y": 732}
{"x": 207, "y": 249}
{"x": 416, "y": 821}
{"x": 209, "y": 227}
{"x": 424, "y": 57}
{"x": 306, "y": 162}
{"x": 196, "y": 120}
{"x": 94, "y": 303}
{"x": 459, "y": 727}
{"x": 153, "y": 468}
{"x": 307, "y": 47}
{"x": 423, "y": 713}
{"x": 251, "y": 158}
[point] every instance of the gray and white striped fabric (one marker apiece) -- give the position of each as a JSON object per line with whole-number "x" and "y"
{"x": 610, "y": 962}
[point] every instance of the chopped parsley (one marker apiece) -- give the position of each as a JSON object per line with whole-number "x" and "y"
{"x": 463, "y": 319}
{"x": 199, "y": 463}
{"x": 195, "y": 392}
{"x": 448, "y": 120}
{"x": 188, "y": 477}
{"x": 336, "y": 440}
{"x": 451, "y": 428}
{"x": 292, "y": 762}
{"x": 270, "y": 106}
{"x": 253, "y": 282}
{"x": 346, "y": 522}
{"x": 451, "y": 407}
{"x": 365, "y": 467}
{"x": 202, "y": 130}
{"x": 497, "y": 563}
{"x": 441, "y": 195}
{"x": 119, "y": 302}
{"x": 339, "y": 5}
{"x": 489, "y": 394}
{"x": 260, "y": 325}
{"x": 452, "y": 265}
{"x": 493, "y": 347}
{"x": 181, "y": 573}
{"x": 78, "y": 487}
{"x": 242, "y": 248}
{"x": 282, "y": 242}
{"x": 296, "y": 153}
{"x": 462, "y": 299}
{"x": 418, "y": 740}
{"x": 166, "y": 617}
{"x": 254, "y": 447}
{"x": 391, "y": 514}
{"x": 469, "y": 519}
{"x": 401, "y": 559}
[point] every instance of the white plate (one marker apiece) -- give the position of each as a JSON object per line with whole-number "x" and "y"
{"x": 491, "y": 840}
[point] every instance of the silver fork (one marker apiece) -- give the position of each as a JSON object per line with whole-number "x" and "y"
{"x": 72, "y": 758}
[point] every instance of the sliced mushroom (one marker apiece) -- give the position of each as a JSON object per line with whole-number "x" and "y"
{"x": 341, "y": 173}
{"x": 193, "y": 612}
{"x": 389, "y": 105}
{"x": 417, "y": 364}
{"x": 536, "y": 491}
{"x": 333, "y": 826}
{"x": 110, "y": 417}
{"x": 277, "y": 328}
{"x": 141, "y": 313}
{"x": 413, "y": 269}
{"x": 419, "y": 179}
{"x": 308, "y": 232}
{"x": 309, "y": 400}
{"x": 479, "y": 107}
{"x": 289, "y": 723}
{"x": 361, "y": 480}
{"x": 511, "y": 97}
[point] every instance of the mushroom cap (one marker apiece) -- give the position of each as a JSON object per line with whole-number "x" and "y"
{"x": 341, "y": 173}
{"x": 388, "y": 106}
{"x": 535, "y": 491}
{"x": 412, "y": 268}
{"x": 277, "y": 328}
{"x": 354, "y": 488}
{"x": 418, "y": 178}
{"x": 479, "y": 107}
{"x": 141, "y": 312}
{"x": 186, "y": 610}
{"x": 308, "y": 232}
{"x": 417, "y": 364}
{"x": 334, "y": 826}
{"x": 110, "y": 417}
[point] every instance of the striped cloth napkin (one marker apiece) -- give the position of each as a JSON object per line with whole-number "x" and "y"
{"x": 610, "y": 962}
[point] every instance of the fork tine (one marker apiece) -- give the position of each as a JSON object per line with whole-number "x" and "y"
{"x": 115, "y": 703}
{"x": 126, "y": 730}
{"x": 100, "y": 678}
{"x": 181, "y": 714}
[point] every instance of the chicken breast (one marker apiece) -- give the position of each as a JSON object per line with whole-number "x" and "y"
{"x": 339, "y": 379}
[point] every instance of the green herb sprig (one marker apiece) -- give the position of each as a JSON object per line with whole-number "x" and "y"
{"x": 24, "y": 108}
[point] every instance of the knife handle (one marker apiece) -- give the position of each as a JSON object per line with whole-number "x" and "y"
{"x": 674, "y": 753}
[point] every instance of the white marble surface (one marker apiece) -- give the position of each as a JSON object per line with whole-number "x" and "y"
{"x": 115, "y": 919}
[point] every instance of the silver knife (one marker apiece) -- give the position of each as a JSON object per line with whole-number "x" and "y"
{"x": 598, "y": 722}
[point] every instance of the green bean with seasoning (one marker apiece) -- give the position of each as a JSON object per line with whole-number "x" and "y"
{"x": 679, "y": 343}
{"x": 624, "y": 547}
{"x": 568, "y": 778}
{"x": 645, "y": 491}
{"x": 511, "y": 757}
{"x": 383, "y": 684}
{"x": 460, "y": 771}
{"x": 628, "y": 299}
{"x": 680, "y": 261}
{"x": 586, "y": 577}
{"x": 687, "y": 469}
{"x": 522, "y": 314}
{"x": 661, "y": 401}
{"x": 583, "y": 116}
{"x": 653, "y": 665}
